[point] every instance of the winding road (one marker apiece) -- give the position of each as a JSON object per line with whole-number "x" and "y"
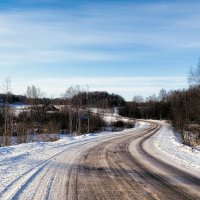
{"x": 115, "y": 167}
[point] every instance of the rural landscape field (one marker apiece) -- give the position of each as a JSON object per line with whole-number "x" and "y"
{"x": 99, "y": 100}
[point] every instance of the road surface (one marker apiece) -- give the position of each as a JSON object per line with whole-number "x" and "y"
{"x": 117, "y": 167}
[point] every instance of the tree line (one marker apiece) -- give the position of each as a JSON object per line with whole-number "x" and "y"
{"x": 71, "y": 113}
{"x": 180, "y": 107}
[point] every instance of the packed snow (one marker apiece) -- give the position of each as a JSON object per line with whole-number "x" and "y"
{"x": 171, "y": 150}
{"x": 17, "y": 161}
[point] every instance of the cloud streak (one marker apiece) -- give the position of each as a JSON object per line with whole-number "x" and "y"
{"x": 89, "y": 33}
{"x": 126, "y": 86}
{"x": 157, "y": 38}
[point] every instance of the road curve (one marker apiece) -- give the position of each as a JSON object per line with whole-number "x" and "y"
{"x": 113, "y": 170}
{"x": 114, "y": 167}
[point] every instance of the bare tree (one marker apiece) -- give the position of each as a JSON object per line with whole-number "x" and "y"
{"x": 79, "y": 111}
{"x": 88, "y": 110}
{"x": 162, "y": 95}
{"x": 69, "y": 94}
{"x": 8, "y": 117}
{"x": 194, "y": 76}
{"x": 34, "y": 93}
{"x": 138, "y": 99}
{"x": 37, "y": 112}
{"x": 23, "y": 127}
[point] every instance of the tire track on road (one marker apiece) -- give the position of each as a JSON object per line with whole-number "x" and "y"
{"x": 111, "y": 171}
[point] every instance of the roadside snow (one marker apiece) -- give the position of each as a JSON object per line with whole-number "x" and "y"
{"x": 17, "y": 161}
{"x": 172, "y": 151}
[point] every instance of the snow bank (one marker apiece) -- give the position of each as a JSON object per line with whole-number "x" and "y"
{"x": 169, "y": 146}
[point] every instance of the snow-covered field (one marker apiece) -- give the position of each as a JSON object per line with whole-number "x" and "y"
{"x": 170, "y": 149}
{"x": 111, "y": 118}
{"x": 110, "y": 115}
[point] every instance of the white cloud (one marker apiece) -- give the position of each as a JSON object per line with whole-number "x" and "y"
{"x": 88, "y": 33}
{"x": 113, "y": 32}
{"x": 125, "y": 86}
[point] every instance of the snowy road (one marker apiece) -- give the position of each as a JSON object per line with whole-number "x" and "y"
{"x": 110, "y": 166}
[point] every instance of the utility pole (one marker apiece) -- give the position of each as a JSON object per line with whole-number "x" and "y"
{"x": 88, "y": 111}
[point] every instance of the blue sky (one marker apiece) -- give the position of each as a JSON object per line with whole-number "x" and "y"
{"x": 127, "y": 47}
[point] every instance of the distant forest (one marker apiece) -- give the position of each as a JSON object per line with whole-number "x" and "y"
{"x": 180, "y": 107}
{"x": 96, "y": 99}
{"x": 70, "y": 114}
{"x": 73, "y": 112}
